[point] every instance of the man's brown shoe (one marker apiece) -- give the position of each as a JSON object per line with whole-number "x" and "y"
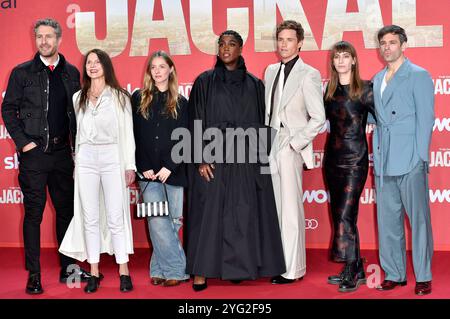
{"x": 157, "y": 281}
{"x": 423, "y": 288}
{"x": 389, "y": 284}
{"x": 171, "y": 283}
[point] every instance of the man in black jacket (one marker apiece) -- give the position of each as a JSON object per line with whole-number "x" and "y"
{"x": 38, "y": 113}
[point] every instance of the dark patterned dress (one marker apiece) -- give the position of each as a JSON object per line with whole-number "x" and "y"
{"x": 346, "y": 165}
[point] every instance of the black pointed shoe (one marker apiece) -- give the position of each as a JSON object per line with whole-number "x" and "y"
{"x": 80, "y": 273}
{"x": 200, "y": 287}
{"x": 277, "y": 280}
{"x": 351, "y": 280}
{"x": 125, "y": 283}
{"x": 92, "y": 284}
{"x": 34, "y": 286}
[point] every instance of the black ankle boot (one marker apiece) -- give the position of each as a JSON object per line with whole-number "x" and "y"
{"x": 336, "y": 279}
{"x": 360, "y": 269}
{"x": 351, "y": 277}
{"x": 92, "y": 284}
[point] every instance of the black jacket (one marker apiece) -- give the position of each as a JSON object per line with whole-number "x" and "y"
{"x": 153, "y": 137}
{"x": 25, "y": 105}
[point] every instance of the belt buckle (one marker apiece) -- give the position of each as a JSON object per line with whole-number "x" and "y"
{"x": 56, "y": 140}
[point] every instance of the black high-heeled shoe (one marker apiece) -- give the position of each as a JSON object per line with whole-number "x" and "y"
{"x": 92, "y": 284}
{"x": 200, "y": 287}
{"x": 125, "y": 283}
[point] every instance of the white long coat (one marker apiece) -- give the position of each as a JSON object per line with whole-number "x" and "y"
{"x": 73, "y": 244}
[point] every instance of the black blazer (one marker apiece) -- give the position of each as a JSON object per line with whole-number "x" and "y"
{"x": 153, "y": 137}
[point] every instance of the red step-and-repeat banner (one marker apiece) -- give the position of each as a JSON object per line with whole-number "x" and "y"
{"x": 131, "y": 29}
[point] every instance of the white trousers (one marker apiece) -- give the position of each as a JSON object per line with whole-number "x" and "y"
{"x": 287, "y": 171}
{"x": 99, "y": 169}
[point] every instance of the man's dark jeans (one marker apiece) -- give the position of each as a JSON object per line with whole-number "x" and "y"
{"x": 37, "y": 170}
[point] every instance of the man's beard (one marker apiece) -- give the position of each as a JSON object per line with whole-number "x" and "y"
{"x": 47, "y": 55}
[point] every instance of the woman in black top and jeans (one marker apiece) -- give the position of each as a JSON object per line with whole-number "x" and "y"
{"x": 158, "y": 109}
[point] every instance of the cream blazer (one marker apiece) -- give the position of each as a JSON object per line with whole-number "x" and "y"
{"x": 73, "y": 244}
{"x": 301, "y": 110}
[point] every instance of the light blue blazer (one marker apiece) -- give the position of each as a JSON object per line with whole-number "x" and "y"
{"x": 405, "y": 119}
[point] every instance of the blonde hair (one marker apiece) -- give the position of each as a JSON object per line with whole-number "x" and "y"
{"x": 149, "y": 88}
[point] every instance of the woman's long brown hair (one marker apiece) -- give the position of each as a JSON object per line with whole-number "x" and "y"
{"x": 356, "y": 84}
{"x": 149, "y": 87}
{"x": 110, "y": 78}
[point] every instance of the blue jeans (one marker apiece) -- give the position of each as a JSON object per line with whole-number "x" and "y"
{"x": 168, "y": 260}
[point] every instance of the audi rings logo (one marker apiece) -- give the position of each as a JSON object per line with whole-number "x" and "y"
{"x": 311, "y": 223}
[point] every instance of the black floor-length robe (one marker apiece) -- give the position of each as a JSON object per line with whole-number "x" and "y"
{"x": 232, "y": 224}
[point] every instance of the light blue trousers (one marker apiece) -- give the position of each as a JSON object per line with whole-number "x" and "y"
{"x": 398, "y": 194}
{"x": 168, "y": 259}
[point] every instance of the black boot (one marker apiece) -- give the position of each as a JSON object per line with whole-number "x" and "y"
{"x": 360, "y": 269}
{"x": 353, "y": 276}
{"x": 337, "y": 279}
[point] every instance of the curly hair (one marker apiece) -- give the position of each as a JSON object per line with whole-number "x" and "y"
{"x": 233, "y": 33}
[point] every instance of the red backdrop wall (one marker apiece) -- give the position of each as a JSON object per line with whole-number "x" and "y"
{"x": 130, "y": 30}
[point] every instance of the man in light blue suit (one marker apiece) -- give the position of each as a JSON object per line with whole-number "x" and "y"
{"x": 404, "y": 104}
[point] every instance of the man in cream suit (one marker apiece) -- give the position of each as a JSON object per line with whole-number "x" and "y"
{"x": 294, "y": 107}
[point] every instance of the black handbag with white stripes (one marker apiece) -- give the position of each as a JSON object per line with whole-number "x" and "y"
{"x": 153, "y": 209}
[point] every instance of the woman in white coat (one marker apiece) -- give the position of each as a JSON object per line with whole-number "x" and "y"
{"x": 104, "y": 168}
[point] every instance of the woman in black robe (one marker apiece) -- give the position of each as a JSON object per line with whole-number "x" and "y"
{"x": 348, "y": 100}
{"x": 232, "y": 225}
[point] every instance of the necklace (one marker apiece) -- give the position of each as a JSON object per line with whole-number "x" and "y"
{"x": 95, "y": 106}
{"x": 95, "y": 100}
{"x": 96, "y": 95}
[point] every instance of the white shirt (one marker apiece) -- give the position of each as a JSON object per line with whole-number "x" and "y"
{"x": 383, "y": 84}
{"x": 99, "y": 125}
{"x": 276, "y": 121}
{"x": 47, "y": 64}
